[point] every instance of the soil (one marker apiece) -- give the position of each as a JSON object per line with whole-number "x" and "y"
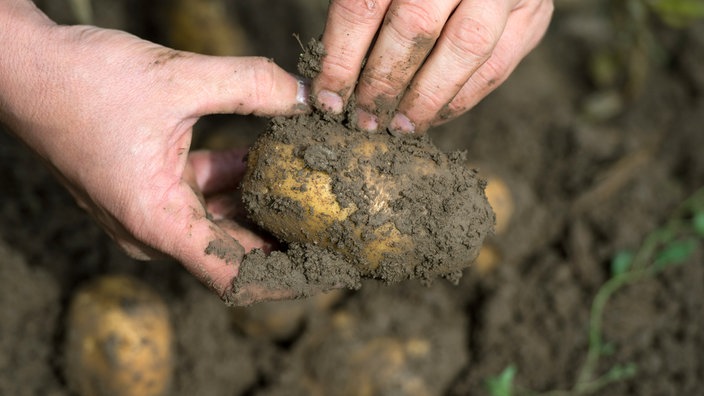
{"x": 592, "y": 171}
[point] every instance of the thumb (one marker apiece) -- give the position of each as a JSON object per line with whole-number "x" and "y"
{"x": 182, "y": 229}
{"x": 245, "y": 85}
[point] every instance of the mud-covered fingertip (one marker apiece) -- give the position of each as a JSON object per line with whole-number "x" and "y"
{"x": 401, "y": 125}
{"x": 330, "y": 102}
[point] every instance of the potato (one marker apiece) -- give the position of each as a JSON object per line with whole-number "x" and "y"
{"x": 280, "y": 320}
{"x": 489, "y": 258}
{"x": 119, "y": 339}
{"x": 204, "y": 26}
{"x": 396, "y": 208}
{"x": 499, "y": 196}
{"x": 501, "y": 200}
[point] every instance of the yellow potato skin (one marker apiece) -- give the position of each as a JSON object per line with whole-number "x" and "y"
{"x": 499, "y": 195}
{"x": 393, "y": 208}
{"x": 285, "y": 175}
{"x": 119, "y": 339}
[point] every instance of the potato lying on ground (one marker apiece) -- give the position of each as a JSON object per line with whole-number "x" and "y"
{"x": 501, "y": 200}
{"x": 396, "y": 208}
{"x": 406, "y": 340}
{"x": 280, "y": 320}
{"x": 119, "y": 339}
{"x": 205, "y": 27}
{"x": 499, "y": 196}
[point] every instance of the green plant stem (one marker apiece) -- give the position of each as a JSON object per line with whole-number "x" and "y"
{"x": 586, "y": 374}
{"x": 641, "y": 268}
{"x": 681, "y": 226}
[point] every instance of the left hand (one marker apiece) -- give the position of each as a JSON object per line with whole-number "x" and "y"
{"x": 428, "y": 61}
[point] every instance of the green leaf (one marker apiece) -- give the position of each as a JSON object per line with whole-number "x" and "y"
{"x": 675, "y": 253}
{"x": 621, "y": 262}
{"x": 698, "y": 223}
{"x": 502, "y": 384}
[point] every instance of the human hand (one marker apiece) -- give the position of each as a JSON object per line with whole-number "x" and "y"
{"x": 428, "y": 61}
{"x": 112, "y": 114}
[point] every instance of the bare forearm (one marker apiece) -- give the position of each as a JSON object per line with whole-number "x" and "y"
{"x": 25, "y": 37}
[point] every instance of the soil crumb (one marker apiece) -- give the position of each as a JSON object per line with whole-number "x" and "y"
{"x": 353, "y": 205}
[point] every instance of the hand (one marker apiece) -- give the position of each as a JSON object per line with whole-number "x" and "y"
{"x": 112, "y": 114}
{"x": 428, "y": 61}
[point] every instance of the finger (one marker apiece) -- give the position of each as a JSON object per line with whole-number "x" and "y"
{"x": 224, "y": 206}
{"x": 524, "y": 29}
{"x": 217, "y": 171}
{"x": 228, "y": 205}
{"x": 248, "y": 238}
{"x": 349, "y": 31}
{"x": 179, "y": 227}
{"x": 243, "y": 85}
{"x": 467, "y": 41}
{"x": 409, "y": 32}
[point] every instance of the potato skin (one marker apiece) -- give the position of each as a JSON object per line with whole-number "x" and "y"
{"x": 501, "y": 200}
{"x": 396, "y": 208}
{"x": 119, "y": 339}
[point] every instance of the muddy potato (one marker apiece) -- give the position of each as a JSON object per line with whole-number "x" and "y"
{"x": 501, "y": 200}
{"x": 280, "y": 320}
{"x": 119, "y": 339}
{"x": 396, "y": 208}
{"x": 499, "y": 196}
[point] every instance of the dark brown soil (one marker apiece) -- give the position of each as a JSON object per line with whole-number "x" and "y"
{"x": 586, "y": 183}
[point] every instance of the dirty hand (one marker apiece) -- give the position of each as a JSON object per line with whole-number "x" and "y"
{"x": 112, "y": 114}
{"x": 427, "y": 61}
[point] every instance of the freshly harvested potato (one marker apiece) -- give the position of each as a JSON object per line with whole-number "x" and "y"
{"x": 205, "y": 27}
{"x": 119, "y": 339}
{"x": 489, "y": 257}
{"x": 499, "y": 195}
{"x": 279, "y": 320}
{"x": 396, "y": 208}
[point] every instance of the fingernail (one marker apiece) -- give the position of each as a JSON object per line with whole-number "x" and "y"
{"x": 401, "y": 124}
{"x": 330, "y": 101}
{"x": 303, "y": 92}
{"x": 366, "y": 121}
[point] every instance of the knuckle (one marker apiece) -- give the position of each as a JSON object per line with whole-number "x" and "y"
{"x": 264, "y": 82}
{"x": 495, "y": 71}
{"x": 411, "y": 19}
{"x": 473, "y": 37}
{"x": 356, "y": 10}
{"x": 342, "y": 69}
{"x": 430, "y": 98}
{"x": 377, "y": 87}
{"x": 379, "y": 90}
